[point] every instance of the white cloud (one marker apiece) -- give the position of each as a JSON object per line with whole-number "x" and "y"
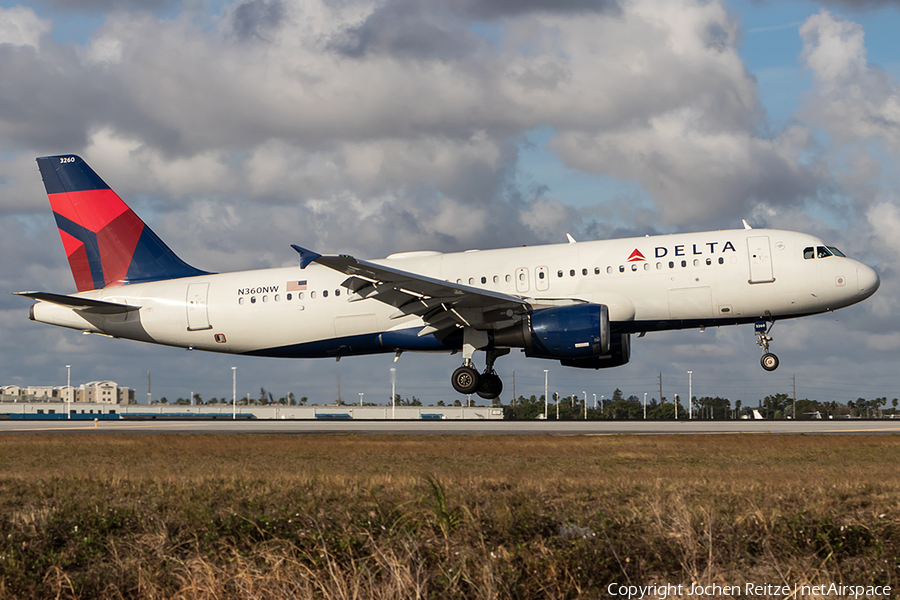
{"x": 19, "y": 26}
{"x": 854, "y": 101}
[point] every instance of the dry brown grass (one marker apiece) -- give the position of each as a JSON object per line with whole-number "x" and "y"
{"x": 440, "y": 516}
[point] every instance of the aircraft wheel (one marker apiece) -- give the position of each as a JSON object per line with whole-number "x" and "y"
{"x": 490, "y": 386}
{"x": 769, "y": 361}
{"x": 465, "y": 380}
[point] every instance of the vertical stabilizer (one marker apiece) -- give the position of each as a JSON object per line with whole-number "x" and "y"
{"x": 107, "y": 244}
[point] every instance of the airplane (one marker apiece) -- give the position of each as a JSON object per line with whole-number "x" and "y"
{"x": 578, "y": 303}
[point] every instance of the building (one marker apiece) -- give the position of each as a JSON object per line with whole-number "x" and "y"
{"x": 40, "y": 391}
{"x": 98, "y": 392}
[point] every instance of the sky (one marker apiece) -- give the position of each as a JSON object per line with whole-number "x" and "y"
{"x": 237, "y": 128}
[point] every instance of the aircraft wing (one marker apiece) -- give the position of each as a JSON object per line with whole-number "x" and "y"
{"x": 441, "y": 304}
{"x": 83, "y": 304}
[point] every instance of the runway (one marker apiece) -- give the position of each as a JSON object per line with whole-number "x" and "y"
{"x": 457, "y": 427}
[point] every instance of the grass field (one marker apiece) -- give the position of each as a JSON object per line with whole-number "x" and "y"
{"x": 197, "y": 517}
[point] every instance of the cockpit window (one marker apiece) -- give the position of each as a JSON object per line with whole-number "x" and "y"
{"x": 836, "y": 252}
{"x": 822, "y": 252}
{"x": 809, "y": 252}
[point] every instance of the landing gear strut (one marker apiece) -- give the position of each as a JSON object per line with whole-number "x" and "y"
{"x": 466, "y": 379}
{"x": 768, "y": 361}
{"x": 490, "y": 385}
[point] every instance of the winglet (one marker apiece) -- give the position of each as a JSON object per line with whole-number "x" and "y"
{"x": 306, "y": 256}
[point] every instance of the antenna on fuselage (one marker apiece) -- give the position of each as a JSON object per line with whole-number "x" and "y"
{"x": 746, "y": 224}
{"x": 570, "y": 238}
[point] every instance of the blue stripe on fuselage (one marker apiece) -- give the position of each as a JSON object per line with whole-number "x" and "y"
{"x": 369, "y": 343}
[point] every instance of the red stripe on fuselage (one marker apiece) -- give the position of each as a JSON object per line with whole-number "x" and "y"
{"x": 93, "y": 209}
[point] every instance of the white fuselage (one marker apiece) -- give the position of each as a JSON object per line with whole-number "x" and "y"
{"x": 648, "y": 284}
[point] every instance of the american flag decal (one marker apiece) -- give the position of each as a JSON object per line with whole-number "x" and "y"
{"x": 296, "y": 286}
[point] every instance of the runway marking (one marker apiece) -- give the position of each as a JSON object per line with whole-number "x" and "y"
{"x": 155, "y": 425}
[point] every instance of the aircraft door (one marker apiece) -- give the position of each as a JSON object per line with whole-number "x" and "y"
{"x": 522, "y": 279}
{"x": 760, "y": 259}
{"x": 197, "y": 314}
{"x": 542, "y": 279}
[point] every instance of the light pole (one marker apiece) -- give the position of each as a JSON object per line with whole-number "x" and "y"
{"x": 690, "y": 396}
{"x": 645, "y": 406}
{"x": 585, "y": 404}
{"x": 69, "y": 391}
{"x": 556, "y": 399}
{"x": 234, "y": 393}
{"x": 545, "y": 394}
{"x": 393, "y": 392}
{"x": 360, "y": 398}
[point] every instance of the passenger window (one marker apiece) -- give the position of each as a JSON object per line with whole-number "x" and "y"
{"x": 337, "y": 292}
{"x": 721, "y": 261}
{"x": 633, "y": 267}
{"x": 300, "y": 296}
{"x": 609, "y": 269}
{"x": 277, "y": 297}
{"x": 497, "y": 279}
{"x": 241, "y": 300}
{"x": 522, "y": 276}
{"x": 571, "y": 272}
{"x": 808, "y": 253}
{"x": 596, "y": 270}
{"x": 508, "y": 278}
{"x": 584, "y": 271}
{"x": 484, "y": 280}
{"x": 312, "y": 295}
{"x": 471, "y": 281}
{"x": 252, "y": 299}
{"x": 658, "y": 266}
{"x": 696, "y": 262}
{"x": 708, "y": 261}
{"x": 621, "y": 268}
{"x": 684, "y": 263}
{"x": 290, "y": 297}
{"x": 541, "y": 275}
{"x": 559, "y": 273}
{"x": 265, "y": 298}
{"x": 646, "y": 266}
{"x": 671, "y": 264}
{"x": 325, "y": 294}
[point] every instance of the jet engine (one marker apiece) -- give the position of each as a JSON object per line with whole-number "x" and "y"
{"x": 619, "y": 354}
{"x": 573, "y": 332}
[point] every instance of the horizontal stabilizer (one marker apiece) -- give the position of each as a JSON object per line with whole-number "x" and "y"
{"x": 83, "y": 304}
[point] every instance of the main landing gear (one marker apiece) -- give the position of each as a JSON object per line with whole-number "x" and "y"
{"x": 768, "y": 361}
{"x": 488, "y": 385}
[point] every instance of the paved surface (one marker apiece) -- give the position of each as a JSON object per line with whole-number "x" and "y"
{"x": 459, "y": 427}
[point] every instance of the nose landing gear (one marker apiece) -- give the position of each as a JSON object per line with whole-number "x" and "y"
{"x": 768, "y": 361}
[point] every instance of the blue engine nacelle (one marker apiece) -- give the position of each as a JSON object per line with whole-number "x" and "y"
{"x": 573, "y": 332}
{"x": 619, "y": 354}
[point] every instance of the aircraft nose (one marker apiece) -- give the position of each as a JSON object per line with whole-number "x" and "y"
{"x": 868, "y": 280}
